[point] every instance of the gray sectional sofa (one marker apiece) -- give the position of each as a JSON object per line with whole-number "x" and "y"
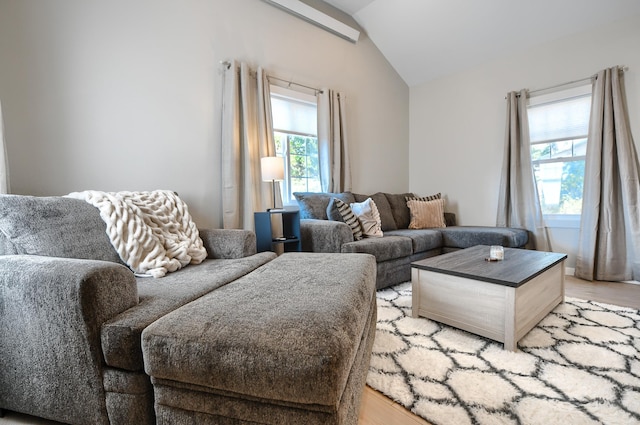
{"x": 400, "y": 246}
{"x": 243, "y": 337}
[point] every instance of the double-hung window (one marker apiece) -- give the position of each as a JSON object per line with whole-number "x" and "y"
{"x": 558, "y": 127}
{"x": 295, "y": 117}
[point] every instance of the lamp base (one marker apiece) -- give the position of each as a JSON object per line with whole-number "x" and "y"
{"x": 273, "y": 191}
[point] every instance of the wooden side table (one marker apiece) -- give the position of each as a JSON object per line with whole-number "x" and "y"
{"x": 265, "y": 230}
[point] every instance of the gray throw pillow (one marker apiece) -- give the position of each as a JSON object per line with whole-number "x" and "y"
{"x": 54, "y": 227}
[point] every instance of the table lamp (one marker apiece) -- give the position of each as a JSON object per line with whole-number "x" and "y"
{"x": 272, "y": 170}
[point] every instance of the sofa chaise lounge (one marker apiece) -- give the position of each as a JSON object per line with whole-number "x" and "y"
{"x": 242, "y": 337}
{"x": 399, "y": 246}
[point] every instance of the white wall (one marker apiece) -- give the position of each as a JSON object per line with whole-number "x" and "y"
{"x": 457, "y": 122}
{"x": 126, "y": 94}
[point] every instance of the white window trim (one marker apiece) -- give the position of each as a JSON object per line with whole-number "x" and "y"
{"x": 562, "y": 221}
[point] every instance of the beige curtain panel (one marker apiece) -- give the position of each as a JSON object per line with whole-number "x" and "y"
{"x": 518, "y": 204}
{"x": 247, "y": 136}
{"x": 333, "y": 146}
{"x": 4, "y": 160}
{"x": 610, "y": 227}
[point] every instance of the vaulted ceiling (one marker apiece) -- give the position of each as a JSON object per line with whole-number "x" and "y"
{"x": 426, "y": 39}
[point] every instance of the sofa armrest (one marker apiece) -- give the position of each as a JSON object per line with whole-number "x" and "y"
{"x": 324, "y": 235}
{"x": 228, "y": 243}
{"x": 51, "y": 310}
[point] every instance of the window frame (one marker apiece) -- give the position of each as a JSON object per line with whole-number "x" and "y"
{"x": 289, "y": 199}
{"x": 294, "y": 96}
{"x": 558, "y": 220}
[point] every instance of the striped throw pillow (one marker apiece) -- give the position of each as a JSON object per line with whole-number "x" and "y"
{"x": 349, "y": 217}
{"x": 424, "y": 198}
{"x": 426, "y": 214}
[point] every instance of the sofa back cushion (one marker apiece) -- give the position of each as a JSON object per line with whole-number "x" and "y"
{"x": 386, "y": 214}
{"x": 314, "y": 204}
{"x": 399, "y": 209}
{"x": 54, "y": 227}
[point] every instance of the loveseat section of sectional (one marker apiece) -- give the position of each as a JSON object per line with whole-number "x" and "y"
{"x": 322, "y": 230}
{"x": 72, "y": 314}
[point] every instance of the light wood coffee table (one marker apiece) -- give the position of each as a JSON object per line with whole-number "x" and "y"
{"x": 500, "y": 300}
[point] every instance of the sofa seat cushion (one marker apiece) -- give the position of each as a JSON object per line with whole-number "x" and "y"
{"x": 468, "y": 236}
{"x": 422, "y": 239}
{"x": 384, "y": 249}
{"x": 286, "y": 333}
{"x": 120, "y": 336}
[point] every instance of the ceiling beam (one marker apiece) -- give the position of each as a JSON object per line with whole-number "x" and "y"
{"x": 316, "y": 17}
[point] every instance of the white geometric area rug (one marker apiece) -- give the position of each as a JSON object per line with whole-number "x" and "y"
{"x": 580, "y": 365}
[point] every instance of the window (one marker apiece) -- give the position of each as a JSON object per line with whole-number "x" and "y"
{"x": 296, "y": 137}
{"x": 558, "y": 127}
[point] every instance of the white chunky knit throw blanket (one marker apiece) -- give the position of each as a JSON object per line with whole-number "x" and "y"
{"x": 152, "y": 231}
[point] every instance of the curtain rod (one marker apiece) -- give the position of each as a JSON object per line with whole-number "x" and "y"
{"x": 289, "y": 82}
{"x": 568, "y": 83}
{"x": 623, "y": 68}
{"x": 227, "y": 64}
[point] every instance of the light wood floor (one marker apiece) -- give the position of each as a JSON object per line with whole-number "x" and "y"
{"x": 376, "y": 409}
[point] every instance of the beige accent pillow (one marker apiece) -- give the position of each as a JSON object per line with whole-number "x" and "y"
{"x": 426, "y": 214}
{"x": 369, "y": 218}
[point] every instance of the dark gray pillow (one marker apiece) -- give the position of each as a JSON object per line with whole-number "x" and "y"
{"x": 314, "y": 204}
{"x": 450, "y": 219}
{"x": 54, "y": 227}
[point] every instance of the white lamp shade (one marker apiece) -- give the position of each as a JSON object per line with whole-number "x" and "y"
{"x": 272, "y": 168}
